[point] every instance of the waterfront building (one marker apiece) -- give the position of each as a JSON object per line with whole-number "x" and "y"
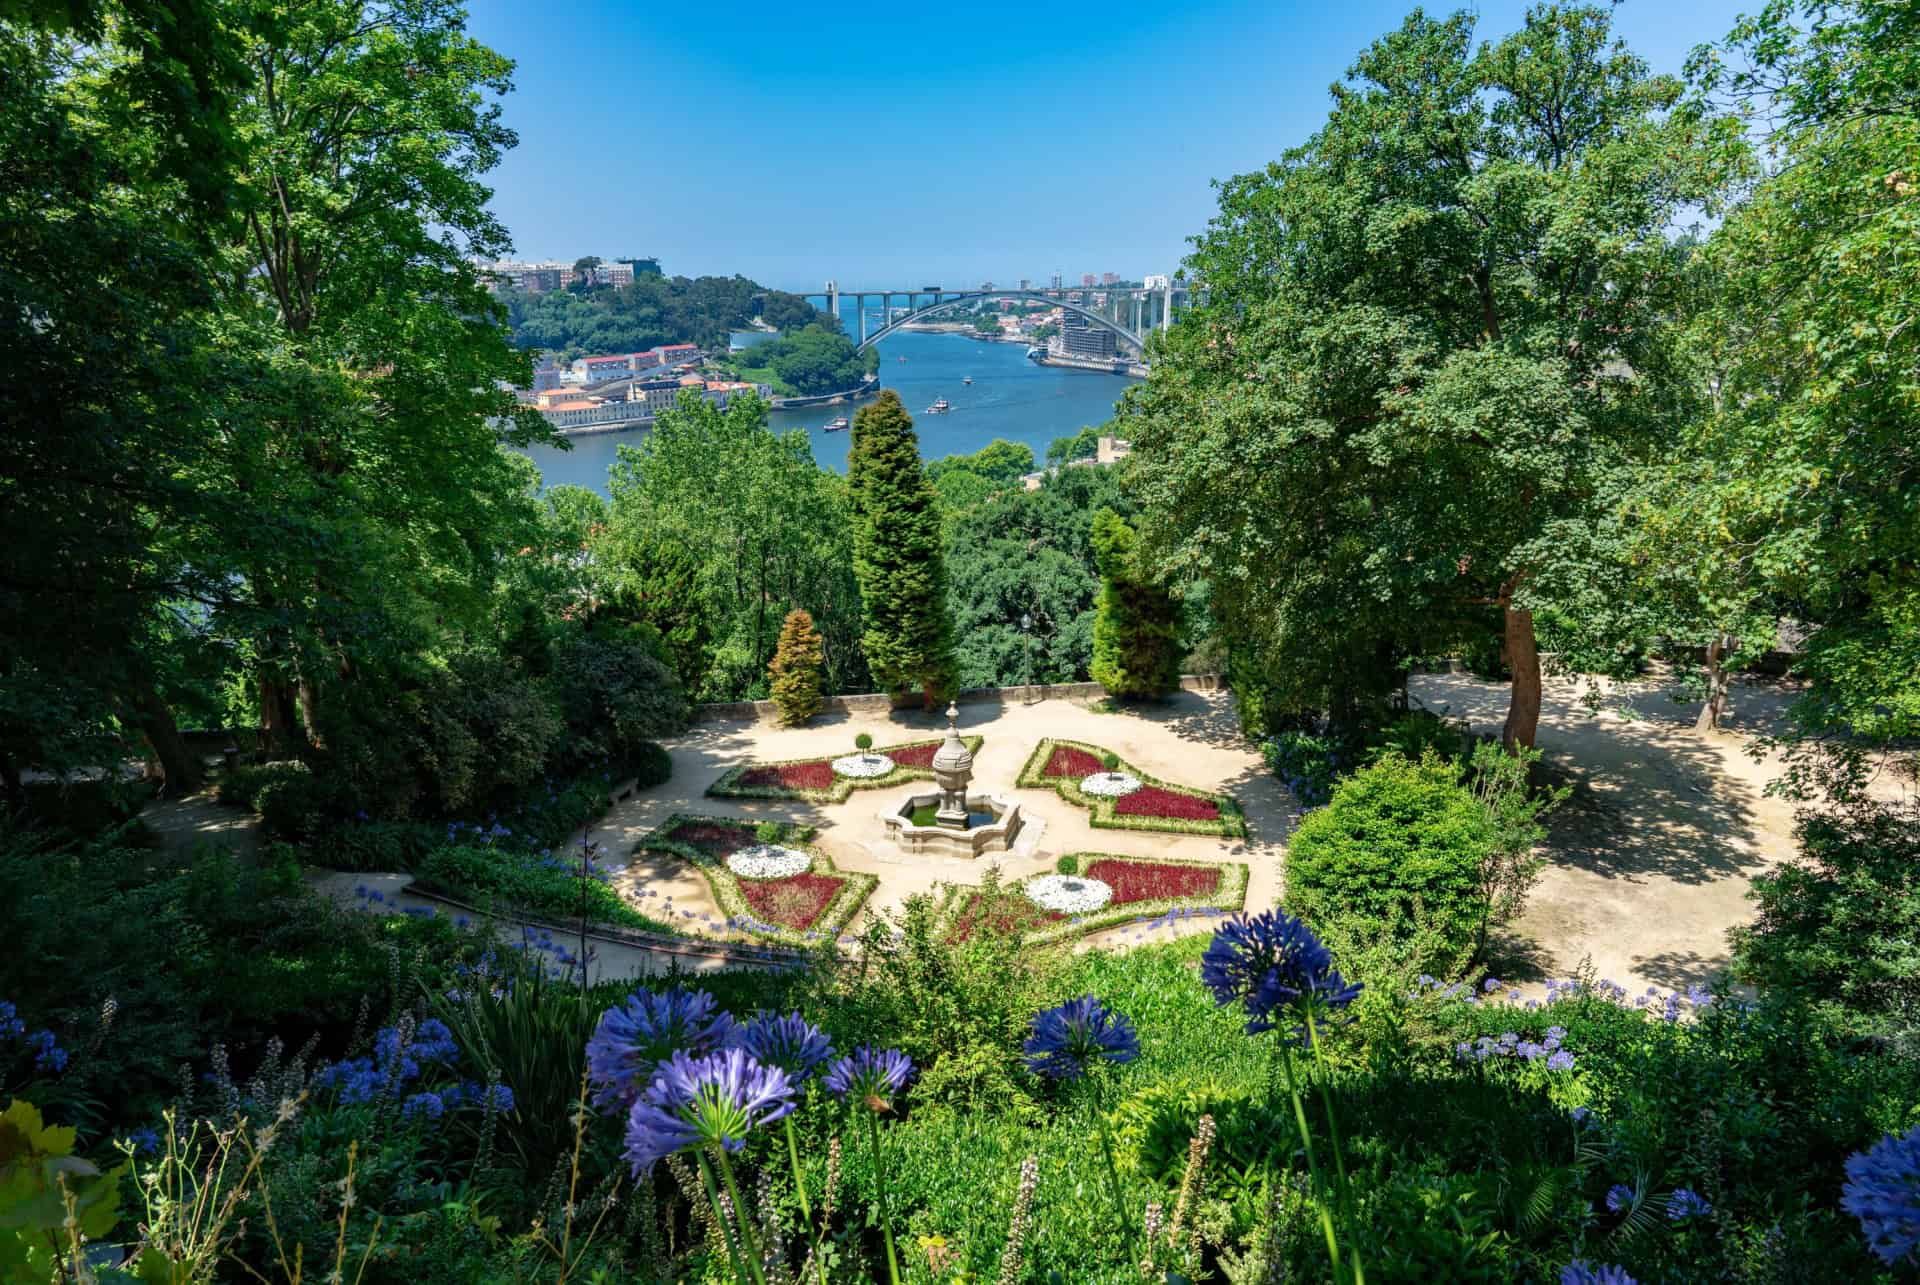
{"x": 1079, "y": 337}
{"x": 677, "y": 354}
{"x": 1156, "y": 281}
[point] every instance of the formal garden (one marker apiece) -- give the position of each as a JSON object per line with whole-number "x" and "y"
{"x": 1441, "y": 809}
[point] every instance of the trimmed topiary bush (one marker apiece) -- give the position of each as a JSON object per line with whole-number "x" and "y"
{"x": 1068, "y": 864}
{"x": 795, "y": 669}
{"x": 1402, "y": 844}
{"x": 652, "y": 765}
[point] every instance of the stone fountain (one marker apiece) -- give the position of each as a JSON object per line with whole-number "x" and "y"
{"x": 962, "y": 824}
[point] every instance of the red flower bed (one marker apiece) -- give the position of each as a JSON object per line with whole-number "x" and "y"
{"x": 716, "y": 840}
{"x": 1151, "y": 880}
{"x": 1015, "y": 914}
{"x": 794, "y": 902}
{"x": 1068, "y": 762}
{"x": 815, "y": 775}
{"x": 915, "y": 755}
{"x": 1152, "y": 801}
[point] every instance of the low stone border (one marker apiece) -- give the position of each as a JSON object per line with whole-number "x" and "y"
{"x": 1231, "y": 895}
{"x": 729, "y": 787}
{"x": 1106, "y": 816}
{"x": 854, "y": 889}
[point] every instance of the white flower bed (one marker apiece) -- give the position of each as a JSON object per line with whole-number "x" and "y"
{"x": 768, "y": 861}
{"x": 1110, "y": 785}
{"x": 1067, "y": 894}
{"x": 862, "y": 766}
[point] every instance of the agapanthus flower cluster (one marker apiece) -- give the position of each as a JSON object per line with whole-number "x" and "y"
{"x": 640, "y": 1033}
{"x": 1511, "y": 1044}
{"x": 1883, "y": 1192}
{"x": 1581, "y": 1272}
{"x": 1073, "y": 1038}
{"x": 869, "y": 1077}
{"x": 47, "y": 1053}
{"x": 399, "y": 1054}
{"x": 791, "y": 1043}
{"x": 1687, "y": 1203}
{"x": 436, "y": 1103}
{"x": 1620, "y": 1197}
{"x": 1273, "y": 965}
{"x": 715, "y": 1100}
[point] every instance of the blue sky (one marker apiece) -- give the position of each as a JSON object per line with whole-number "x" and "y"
{"x": 916, "y": 144}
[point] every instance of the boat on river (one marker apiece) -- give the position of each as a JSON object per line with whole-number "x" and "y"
{"x": 839, "y": 425}
{"x": 967, "y": 379}
{"x": 940, "y": 407}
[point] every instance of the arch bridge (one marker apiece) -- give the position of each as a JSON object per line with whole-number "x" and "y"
{"x": 946, "y": 302}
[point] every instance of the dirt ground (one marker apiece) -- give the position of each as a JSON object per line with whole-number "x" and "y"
{"x": 1649, "y": 862}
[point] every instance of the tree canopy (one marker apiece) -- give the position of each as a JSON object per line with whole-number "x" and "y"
{"x": 654, "y": 310}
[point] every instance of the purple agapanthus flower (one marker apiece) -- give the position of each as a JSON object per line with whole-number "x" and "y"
{"x": 1271, "y": 963}
{"x": 1560, "y": 1060}
{"x": 869, "y": 1077}
{"x": 1685, "y": 1203}
{"x": 47, "y": 1053}
{"x": 638, "y": 1035}
{"x": 1581, "y": 1272}
{"x": 144, "y": 1141}
{"x": 716, "y": 1100}
{"x": 1883, "y": 1192}
{"x": 1072, "y": 1039}
{"x": 791, "y": 1043}
{"x": 1619, "y": 1197}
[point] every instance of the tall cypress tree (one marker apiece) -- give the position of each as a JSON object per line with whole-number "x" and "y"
{"x": 897, "y": 554}
{"x": 1136, "y": 628}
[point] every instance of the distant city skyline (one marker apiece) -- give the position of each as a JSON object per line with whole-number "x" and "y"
{"x": 905, "y": 147}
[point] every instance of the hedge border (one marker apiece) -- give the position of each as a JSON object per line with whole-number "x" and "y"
{"x": 843, "y": 786}
{"x": 855, "y": 888}
{"x": 1230, "y": 896}
{"x": 1231, "y": 825}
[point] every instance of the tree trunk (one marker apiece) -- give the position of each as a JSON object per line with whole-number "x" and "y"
{"x": 178, "y": 763}
{"x": 310, "y": 711}
{"x": 279, "y": 725}
{"x": 1716, "y": 703}
{"x": 1523, "y": 657}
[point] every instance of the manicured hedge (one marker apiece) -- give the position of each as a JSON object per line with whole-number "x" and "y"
{"x": 812, "y": 780}
{"x": 547, "y": 887}
{"x": 1229, "y": 893}
{"x": 1117, "y": 814}
{"x": 731, "y": 891}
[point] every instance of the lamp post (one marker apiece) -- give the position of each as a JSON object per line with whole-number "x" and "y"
{"x": 1026, "y": 630}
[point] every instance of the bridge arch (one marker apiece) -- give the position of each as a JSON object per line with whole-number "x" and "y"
{"x": 970, "y": 296}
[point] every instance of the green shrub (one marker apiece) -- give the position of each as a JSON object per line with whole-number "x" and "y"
{"x": 616, "y": 693}
{"x": 795, "y": 669}
{"x": 1840, "y": 923}
{"x": 863, "y": 742}
{"x": 1068, "y": 864}
{"x": 297, "y": 806}
{"x": 242, "y": 785}
{"x": 652, "y": 765}
{"x": 83, "y": 809}
{"x": 1402, "y": 844}
{"x": 370, "y": 845}
{"x": 546, "y": 887}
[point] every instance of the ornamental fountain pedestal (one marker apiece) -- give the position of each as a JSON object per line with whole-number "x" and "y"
{"x": 963, "y": 824}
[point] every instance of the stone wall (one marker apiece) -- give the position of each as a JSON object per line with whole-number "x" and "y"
{"x": 881, "y": 703}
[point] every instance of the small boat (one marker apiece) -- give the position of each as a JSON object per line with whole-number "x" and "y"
{"x": 839, "y": 425}
{"x": 903, "y": 356}
{"x": 940, "y": 407}
{"x": 968, "y": 379}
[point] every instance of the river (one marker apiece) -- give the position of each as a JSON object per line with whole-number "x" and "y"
{"x": 1009, "y": 397}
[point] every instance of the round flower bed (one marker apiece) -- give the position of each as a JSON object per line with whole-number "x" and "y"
{"x": 1110, "y": 784}
{"x": 768, "y": 861}
{"x": 1067, "y": 894}
{"x": 862, "y": 766}
{"x": 1152, "y": 801}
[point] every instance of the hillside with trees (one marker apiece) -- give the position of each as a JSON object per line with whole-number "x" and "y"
{"x": 654, "y": 310}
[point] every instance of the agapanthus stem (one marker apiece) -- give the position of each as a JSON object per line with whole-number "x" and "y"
{"x": 880, "y": 1180}
{"x": 1113, "y": 1174}
{"x": 1313, "y": 1166}
{"x": 1333, "y": 1123}
{"x": 720, "y": 1216}
{"x": 806, "y": 1211}
{"x": 749, "y": 1243}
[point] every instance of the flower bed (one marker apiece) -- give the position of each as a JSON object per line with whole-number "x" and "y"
{"x": 814, "y": 780}
{"x": 1156, "y": 805}
{"x": 1142, "y": 891}
{"x": 800, "y": 909}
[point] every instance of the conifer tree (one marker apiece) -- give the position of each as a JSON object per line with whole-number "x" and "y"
{"x": 897, "y": 555}
{"x": 795, "y": 669}
{"x": 1136, "y": 628}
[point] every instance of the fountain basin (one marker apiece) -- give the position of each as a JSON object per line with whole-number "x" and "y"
{"x": 993, "y": 823}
